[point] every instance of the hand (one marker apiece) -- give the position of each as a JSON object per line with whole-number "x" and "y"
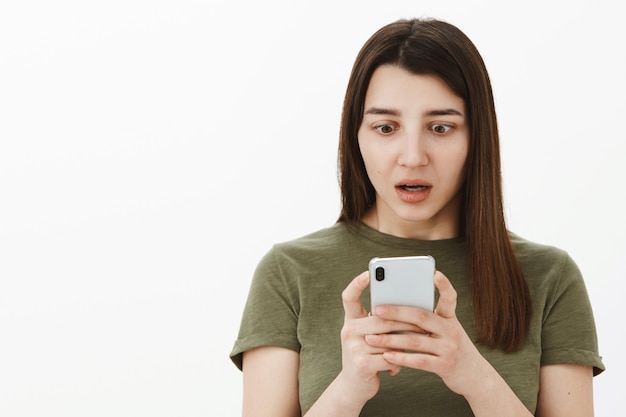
{"x": 445, "y": 349}
{"x": 359, "y": 378}
{"x": 362, "y": 362}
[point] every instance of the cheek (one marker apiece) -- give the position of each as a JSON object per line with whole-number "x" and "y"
{"x": 453, "y": 163}
{"x": 370, "y": 166}
{"x": 369, "y": 156}
{"x": 375, "y": 163}
{"x": 459, "y": 162}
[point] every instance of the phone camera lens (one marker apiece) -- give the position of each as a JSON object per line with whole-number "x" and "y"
{"x": 380, "y": 273}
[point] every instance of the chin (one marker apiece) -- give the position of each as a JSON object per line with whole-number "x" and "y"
{"x": 422, "y": 219}
{"x": 415, "y": 213}
{"x": 416, "y": 219}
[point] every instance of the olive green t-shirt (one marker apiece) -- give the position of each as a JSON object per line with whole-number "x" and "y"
{"x": 295, "y": 303}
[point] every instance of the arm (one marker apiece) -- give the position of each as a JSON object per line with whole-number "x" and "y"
{"x": 565, "y": 390}
{"x": 270, "y": 382}
{"x": 359, "y": 378}
{"x": 270, "y": 374}
{"x": 448, "y": 352}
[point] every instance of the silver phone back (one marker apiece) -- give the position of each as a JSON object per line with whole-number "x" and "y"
{"x": 408, "y": 281}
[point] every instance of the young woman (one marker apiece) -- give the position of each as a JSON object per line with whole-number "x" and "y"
{"x": 512, "y": 333}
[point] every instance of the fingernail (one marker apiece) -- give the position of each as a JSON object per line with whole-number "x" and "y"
{"x": 389, "y": 355}
{"x": 380, "y": 310}
{"x": 372, "y": 338}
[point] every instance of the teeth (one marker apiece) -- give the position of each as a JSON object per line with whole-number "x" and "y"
{"x": 413, "y": 188}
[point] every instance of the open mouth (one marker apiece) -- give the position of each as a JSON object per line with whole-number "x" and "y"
{"x": 413, "y": 188}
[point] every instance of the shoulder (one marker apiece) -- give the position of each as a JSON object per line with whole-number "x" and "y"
{"x": 321, "y": 245}
{"x": 545, "y": 264}
{"x": 337, "y": 253}
{"x": 322, "y": 241}
{"x": 535, "y": 254}
{"x": 528, "y": 249}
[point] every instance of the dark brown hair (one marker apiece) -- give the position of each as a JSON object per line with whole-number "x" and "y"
{"x": 502, "y": 305}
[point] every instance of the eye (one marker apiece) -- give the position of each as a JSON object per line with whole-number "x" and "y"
{"x": 441, "y": 129}
{"x": 385, "y": 129}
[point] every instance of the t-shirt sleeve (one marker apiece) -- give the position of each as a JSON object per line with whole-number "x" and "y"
{"x": 270, "y": 316}
{"x": 569, "y": 332}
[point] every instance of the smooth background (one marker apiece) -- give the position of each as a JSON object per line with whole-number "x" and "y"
{"x": 152, "y": 152}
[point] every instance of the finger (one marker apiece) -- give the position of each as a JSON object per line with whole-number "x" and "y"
{"x": 351, "y": 296}
{"x": 405, "y": 319}
{"x": 446, "y": 306}
{"x": 395, "y": 370}
{"x": 397, "y": 321}
{"x": 382, "y": 365}
{"x": 423, "y": 361}
{"x": 412, "y": 342}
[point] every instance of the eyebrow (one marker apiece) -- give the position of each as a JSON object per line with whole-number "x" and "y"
{"x": 393, "y": 112}
{"x": 381, "y": 111}
{"x": 444, "y": 112}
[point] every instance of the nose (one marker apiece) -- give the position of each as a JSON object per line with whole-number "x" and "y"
{"x": 413, "y": 151}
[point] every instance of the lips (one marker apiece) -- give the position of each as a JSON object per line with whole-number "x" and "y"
{"x": 413, "y": 184}
{"x": 413, "y": 187}
{"x": 413, "y": 191}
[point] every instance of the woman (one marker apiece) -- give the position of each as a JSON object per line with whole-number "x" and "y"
{"x": 512, "y": 333}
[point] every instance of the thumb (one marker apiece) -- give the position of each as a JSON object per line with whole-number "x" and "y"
{"x": 446, "y": 306}
{"x": 351, "y": 296}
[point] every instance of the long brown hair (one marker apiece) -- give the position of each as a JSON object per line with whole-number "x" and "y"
{"x": 502, "y": 304}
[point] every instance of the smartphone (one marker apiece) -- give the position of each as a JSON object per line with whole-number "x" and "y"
{"x": 406, "y": 281}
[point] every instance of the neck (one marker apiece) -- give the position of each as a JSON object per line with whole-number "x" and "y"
{"x": 419, "y": 230}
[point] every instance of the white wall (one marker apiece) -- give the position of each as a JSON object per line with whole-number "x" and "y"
{"x": 152, "y": 151}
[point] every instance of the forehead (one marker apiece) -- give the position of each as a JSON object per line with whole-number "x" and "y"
{"x": 395, "y": 87}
